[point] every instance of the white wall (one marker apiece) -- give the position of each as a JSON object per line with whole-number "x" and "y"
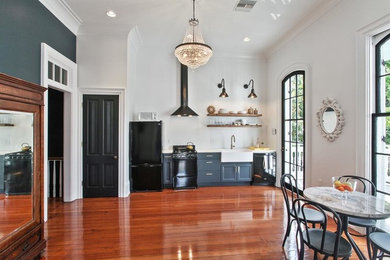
{"x": 102, "y": 57}
{"x": 158, "y": 90}
{"x": 12, "y": 137}
{"x": 328, "y": 49}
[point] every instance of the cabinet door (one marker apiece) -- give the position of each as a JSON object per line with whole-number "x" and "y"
{"x": 167, "y": 170}
{"x": 244, "y": 172}
{"x": 228, "y": 172}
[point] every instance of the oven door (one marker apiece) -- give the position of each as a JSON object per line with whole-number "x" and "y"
{"x": 185, "y": 172}
{"x": 185, "y": 167}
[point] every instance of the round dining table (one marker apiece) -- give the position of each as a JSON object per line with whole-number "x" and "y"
{"x": 352, "y": 204}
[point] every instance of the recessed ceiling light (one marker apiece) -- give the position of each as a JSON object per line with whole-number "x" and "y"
{"x": 246, "y": 39}
{"x": 111, "y": 13}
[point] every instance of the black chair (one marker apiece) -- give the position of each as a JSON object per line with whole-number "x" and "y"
{"x": 366, "y": 186}
{"x": 380, "y": 242}
{"x": 289, "y": 185}
{"x": 321, "y": 240}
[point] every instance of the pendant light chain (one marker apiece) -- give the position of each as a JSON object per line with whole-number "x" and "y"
{"x": 193, "y": 19}
{"x": 193, "y": 51}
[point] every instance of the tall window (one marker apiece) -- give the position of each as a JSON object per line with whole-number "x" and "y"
{"x": 381, "y": 117}
{"x": 293, "y": 126}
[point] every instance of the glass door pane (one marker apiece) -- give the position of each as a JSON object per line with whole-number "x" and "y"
{"x": 293, "y": 127}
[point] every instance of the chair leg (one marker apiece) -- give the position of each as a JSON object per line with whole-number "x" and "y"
{"x": 287, "y": 230}
{"x": 315, "y": 255}
{"x": 375, "y": 252}
{"x": 325, "y": 257}
{"x": 368, "y": 231}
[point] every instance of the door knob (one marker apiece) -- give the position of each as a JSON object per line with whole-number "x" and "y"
{"x": 115, "y": 157}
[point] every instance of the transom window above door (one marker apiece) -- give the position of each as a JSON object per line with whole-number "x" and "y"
{"x": 57, "y": 73}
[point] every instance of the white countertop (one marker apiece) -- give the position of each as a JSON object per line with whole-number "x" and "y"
{"x": 218, "y": 150}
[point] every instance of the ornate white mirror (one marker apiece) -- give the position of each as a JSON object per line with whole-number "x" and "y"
{"x": 330, "y": 119}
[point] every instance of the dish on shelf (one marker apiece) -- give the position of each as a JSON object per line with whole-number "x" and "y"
{"x": 222, "y": 111}
{"x": 242, "y": 112}
{"x": 232, "y": 112}
{"x": 211, "y": 109}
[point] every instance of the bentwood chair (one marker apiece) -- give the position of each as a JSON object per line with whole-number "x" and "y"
{"x": 368, "y": 187}
{"x": 321, "y": 240}
{"x": 380, "y": 241}
{"x": 289, "y": 186}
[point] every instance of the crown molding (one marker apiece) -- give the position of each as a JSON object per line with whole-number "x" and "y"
{"x": 63, "y": 12}
{"x": 300, "y": 26}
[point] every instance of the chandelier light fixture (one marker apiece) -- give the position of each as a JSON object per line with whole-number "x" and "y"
{"x": 193, "y": 52}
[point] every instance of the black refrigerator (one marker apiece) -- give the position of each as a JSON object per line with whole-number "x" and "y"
{"x": 145, "y": 156}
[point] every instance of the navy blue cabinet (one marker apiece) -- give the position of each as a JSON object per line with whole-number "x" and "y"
{"x": 236, "y": 172}
{"x": 167, "y": 170}
{"x": 209, "y": 169}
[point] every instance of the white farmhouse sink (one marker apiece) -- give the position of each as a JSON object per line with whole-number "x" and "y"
{"x": 236, "y": 155}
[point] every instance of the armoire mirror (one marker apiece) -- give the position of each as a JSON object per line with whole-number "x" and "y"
{"x": 330, "y": 119}
{"x": 21, "y": 169}
{"x": 16, "y": 170}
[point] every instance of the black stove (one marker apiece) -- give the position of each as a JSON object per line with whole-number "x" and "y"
{"x": 184, "y": 152}
{"x": 18, "y": 172}
{"x": 185, "y": 169}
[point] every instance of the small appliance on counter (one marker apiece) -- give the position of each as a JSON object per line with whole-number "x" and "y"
{"x": 147, "y": 116}
{"x": 145, "y": 156}
{"x": 185, "y": 166}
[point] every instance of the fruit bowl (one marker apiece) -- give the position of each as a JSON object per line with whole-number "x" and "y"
{"x": 343, "y": 185}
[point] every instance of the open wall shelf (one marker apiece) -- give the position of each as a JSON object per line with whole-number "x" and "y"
{"x": 236, "y": 115}
{"x": 253, "y": 126}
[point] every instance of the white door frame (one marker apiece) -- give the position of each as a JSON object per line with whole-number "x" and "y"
{"x": 123, "y": 172}
{"x": 70, "y": 122}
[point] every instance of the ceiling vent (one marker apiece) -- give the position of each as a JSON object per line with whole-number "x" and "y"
{"x": 245, "y": 5}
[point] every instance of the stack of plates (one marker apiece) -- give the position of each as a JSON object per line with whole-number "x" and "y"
{"x": 242, "y": 112}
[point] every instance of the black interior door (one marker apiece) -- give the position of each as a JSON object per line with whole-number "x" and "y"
{"x": 100, "y": 146}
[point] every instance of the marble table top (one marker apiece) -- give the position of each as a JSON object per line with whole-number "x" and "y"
{"x": 356, "y": 204}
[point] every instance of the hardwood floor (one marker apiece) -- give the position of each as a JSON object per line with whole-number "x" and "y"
{"x": 207, "y": 223}
{"x": 15, "y": 211}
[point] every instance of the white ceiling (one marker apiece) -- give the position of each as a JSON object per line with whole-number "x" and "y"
{"x": 162, "y": 23}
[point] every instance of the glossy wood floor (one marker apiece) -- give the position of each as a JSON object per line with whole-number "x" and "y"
{"x": 207, "y": 223}
{"x": 15, "y": 211}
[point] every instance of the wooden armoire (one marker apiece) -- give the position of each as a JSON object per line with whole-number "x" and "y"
{"x": 21, "y": 169}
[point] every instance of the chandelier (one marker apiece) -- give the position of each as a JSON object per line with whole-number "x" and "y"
{"x": 193, "y": 52}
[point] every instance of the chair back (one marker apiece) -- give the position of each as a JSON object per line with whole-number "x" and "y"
{"x": 303, "y": 226}
{"x": 363, "y": 184}
{"x": 289, "y": 185}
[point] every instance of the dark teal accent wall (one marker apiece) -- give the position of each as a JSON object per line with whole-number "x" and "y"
{"x": 24, "y": 24}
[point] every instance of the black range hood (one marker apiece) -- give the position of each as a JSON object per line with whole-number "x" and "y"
{"x": 184, "y": 109}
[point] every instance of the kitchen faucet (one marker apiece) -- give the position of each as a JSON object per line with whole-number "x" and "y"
{"x": 232, "y": 142}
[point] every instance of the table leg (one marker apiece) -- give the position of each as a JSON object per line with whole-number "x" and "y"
{"x": 357, "y": 250}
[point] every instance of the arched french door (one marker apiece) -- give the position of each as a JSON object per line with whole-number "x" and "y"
{"x": 293, "y": 126}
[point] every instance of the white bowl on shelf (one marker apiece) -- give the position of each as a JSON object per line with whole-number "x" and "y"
{"x": 222, "y": 111}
